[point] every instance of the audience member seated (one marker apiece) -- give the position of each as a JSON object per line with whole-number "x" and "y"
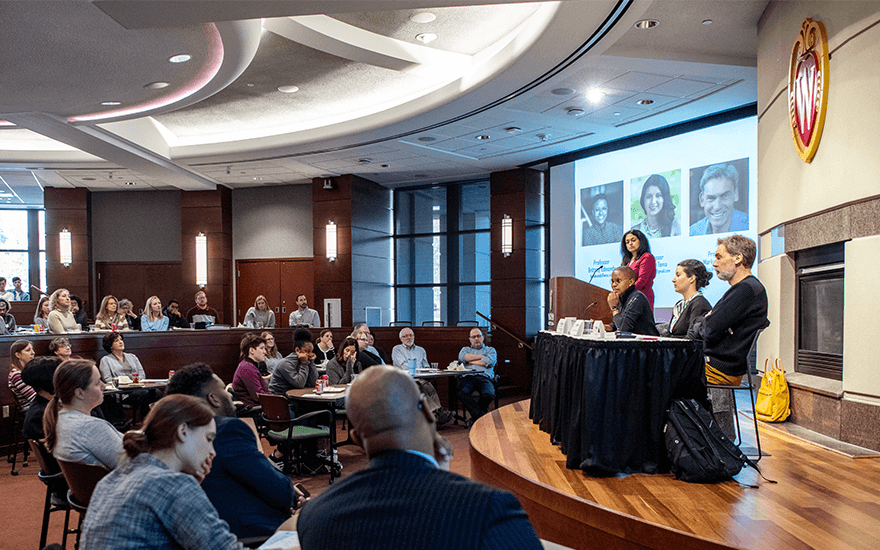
{"x": 79, "y": 312}
{"x": 61, "y": 320}
{"x": 19, "y": 295}
{"x": 325, "y": 351}
{"x": 153, "y": 499}
{"x": 261, "y": 315}
{"x": 406, "y": 499}
{"x": 690, "y": 277}
{"x": 344, "y": 366}
{"x": 72, "y": 434}
{"x": 109, "y": 317}
{"x": 367, "y": 354}
{"x": 251, "y": 495}
{"x": 404, "y": 352}
{"x": 41, "y": 316}
{"x": 297, "y": 370}
{"x": 4, "y": 295}
{"x": 20, "y": 354}
{"x": 153, "y": 320}
{"x": 303, "y": 315}
{"x": 60, "y": 348}
{"x": 630, "y": 308}
{"x": 7, "y": 321}
{"x": 247, "y": 383}
{"x": 38, "y": 374}
{"x": 118, "y": 363}
{"x": 481, "y": 358}
{"x": 127, "y": 309}
{"x": 175, "y": 320}
{"x": 273, "y": 356}
{"x": 201, "y": 315}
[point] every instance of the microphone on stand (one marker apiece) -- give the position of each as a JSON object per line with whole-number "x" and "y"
{"x": 594, "y": 274}
{"x": 588, "y": 309}
{"x": 38, "y": 289}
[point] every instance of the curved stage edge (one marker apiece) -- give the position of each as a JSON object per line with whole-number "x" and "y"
{"x": 812, "y": 506}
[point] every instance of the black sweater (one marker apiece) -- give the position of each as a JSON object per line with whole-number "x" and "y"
{"x": 728, "y": 331}
{"x": 634, "y": 313}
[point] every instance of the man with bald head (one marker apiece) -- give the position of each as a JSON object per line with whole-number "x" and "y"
{"x": 406, "y": 499}
{"x": 407, "y": 351}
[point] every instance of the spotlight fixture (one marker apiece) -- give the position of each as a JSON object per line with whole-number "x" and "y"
{"x": 707, "y": 21}
{"x": 130, "y": 183}
{"x": 543, "y": 137}
{"x": 288, "y": 89}
{"x": 646, "y": 24}
{"x": 513, "y": 130}
{"x": 423, "y": 17}
{"x": 228, "y": 170}
{"x": 426, "y": 37}
{"x": 595, "y": 95}
{"x": 574, "y": 111}
{"x": 329, "y": 185}
{"x": 156, "y": 85}
{"x": 180, "y": 58}
{"x": 482, "y": 137}
{"x": 364, "y": 162}
{"x": 645, "y": 102}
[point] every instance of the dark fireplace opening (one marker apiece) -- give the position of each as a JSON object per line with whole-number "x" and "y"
{"x": 819, "y": 298}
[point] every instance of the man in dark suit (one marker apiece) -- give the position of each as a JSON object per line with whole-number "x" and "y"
{"x": 406, "y": 499}
{"x": 247, "y": 490}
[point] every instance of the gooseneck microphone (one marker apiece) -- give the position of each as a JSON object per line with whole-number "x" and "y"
{"x": 588, "y": 309}
{"x": 594, "y": 274}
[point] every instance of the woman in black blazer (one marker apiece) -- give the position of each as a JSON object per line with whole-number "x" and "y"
{"x": 690, "y": 277}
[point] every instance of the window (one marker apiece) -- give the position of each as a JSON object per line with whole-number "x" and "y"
{"x": 442, "y": 267}
{"x": 19, "y": 245}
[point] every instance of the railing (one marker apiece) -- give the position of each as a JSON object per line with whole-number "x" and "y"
{"x": 520, "y": 342}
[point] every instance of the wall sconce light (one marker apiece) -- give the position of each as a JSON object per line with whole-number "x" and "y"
{"x": 201, "y": 260}
{"x": 506, "y": 236}
{"x": 66, "y": 248}
{"x": 331, "y": 241}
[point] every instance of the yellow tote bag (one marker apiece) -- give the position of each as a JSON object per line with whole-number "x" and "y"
{"x": 772, "y": 404}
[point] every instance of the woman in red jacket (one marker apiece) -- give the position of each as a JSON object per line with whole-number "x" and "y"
{"x": 637, "y": 254}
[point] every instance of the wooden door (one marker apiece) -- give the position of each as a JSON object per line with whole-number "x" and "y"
{"x": 255, "y": 278}
{"x": 297, "y": 277}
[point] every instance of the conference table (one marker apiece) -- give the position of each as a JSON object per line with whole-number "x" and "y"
{"x": 604, "y": 401}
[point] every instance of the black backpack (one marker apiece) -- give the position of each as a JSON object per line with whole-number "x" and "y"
{"x": 698, "y": 449}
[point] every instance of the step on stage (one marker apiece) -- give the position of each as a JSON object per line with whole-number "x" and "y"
{"x": 822, "y": 500}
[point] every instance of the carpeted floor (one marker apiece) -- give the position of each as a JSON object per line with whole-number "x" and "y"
{"x": 22, "y": 496}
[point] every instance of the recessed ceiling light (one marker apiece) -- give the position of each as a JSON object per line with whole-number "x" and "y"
{"x": 180, "y": 58}
{"x": 616, "y": 114}
{"x": 645, "y": 101}
{"x": 385, "y": 165}
{"x": 130, "y": 183}
{"x": 543, "y": 137}
{"x": 427, "y": 138}
{"x": 595, "y": 95}
{"x": 707, "y": 21}
{"x": 561, "y": 91}
{"x": 646, "y": 24}
{"x": 364, "y": 162}
{"x": 574, "y": 111}
{"x": 156, "y": 85}
{"x": 288, "y": 89}
{"x": 250, "y": 85}
{"x": 88, "y": 179}
{"x": 423, "y": 17}
{"x": 426, "y": 37}
{"x": 257, "y": 178}
{"x": 483, "y": 137}
{"x": 109, "y": 103}
{"x": 513, "y": 129}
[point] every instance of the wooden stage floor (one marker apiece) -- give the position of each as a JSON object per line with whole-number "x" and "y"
{"x": 822, "y": 500}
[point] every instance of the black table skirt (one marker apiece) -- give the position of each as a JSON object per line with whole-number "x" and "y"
{"x": 604, "y": 401}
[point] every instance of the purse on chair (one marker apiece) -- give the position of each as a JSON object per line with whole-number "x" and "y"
{"x": 772, "y": 404}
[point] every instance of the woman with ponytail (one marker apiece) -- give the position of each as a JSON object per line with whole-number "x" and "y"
{"x": 72, "y": 434}
{"x": 152, "y": 500}
{"x": 690, "y": 277}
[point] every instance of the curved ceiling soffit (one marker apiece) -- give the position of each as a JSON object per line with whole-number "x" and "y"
{"x": 453, "y": 75}
{"x": 271, "y": 149}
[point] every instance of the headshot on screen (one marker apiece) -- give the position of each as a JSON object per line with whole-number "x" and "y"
{"x": 720, "y": 198}
{"x": 655, "y": 204}
{"x": 602, "y": 214}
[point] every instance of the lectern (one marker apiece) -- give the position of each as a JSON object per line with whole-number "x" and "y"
{"x": 570, "y": 297}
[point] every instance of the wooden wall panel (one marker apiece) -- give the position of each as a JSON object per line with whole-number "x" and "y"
{"x": 69, "y": 209}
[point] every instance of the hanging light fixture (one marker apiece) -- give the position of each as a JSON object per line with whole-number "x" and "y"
{"x": 66, "y": 248}
{"x": 201, "y": 260}
{"x": 506, "y": 236}
{"x": 331, "y": 241}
